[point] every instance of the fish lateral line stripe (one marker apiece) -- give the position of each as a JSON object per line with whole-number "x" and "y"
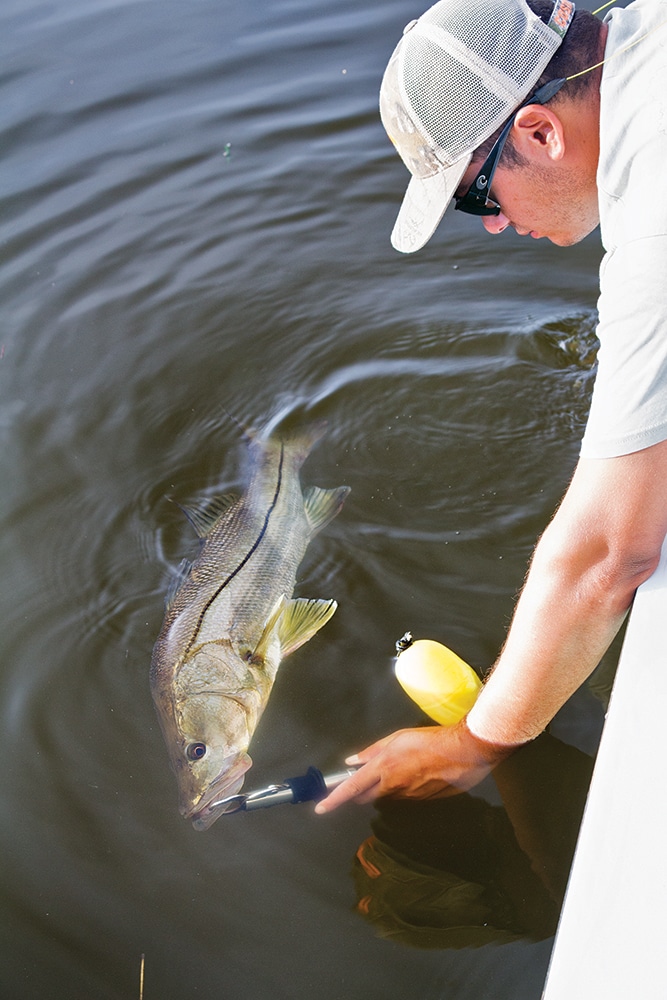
{"x": 253, "y": 548}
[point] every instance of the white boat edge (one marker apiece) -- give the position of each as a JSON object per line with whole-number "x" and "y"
{"x": 611, "y": 935}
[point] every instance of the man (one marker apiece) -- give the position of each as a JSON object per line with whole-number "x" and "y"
{"x": 464, "y": 101}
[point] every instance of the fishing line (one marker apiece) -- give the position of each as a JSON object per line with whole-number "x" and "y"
{"x": 618, "y": 51}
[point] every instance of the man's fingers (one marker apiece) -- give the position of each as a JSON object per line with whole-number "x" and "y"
{"x": 362, "y": 787}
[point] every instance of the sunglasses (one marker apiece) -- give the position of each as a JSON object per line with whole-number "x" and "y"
{"x": 476, "y": 200}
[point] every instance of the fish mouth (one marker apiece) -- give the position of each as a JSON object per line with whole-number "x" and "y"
{"x": 212, "y": 804}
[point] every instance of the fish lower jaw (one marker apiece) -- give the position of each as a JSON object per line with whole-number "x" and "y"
{"x": 206, "y": 810}
{"x": 204, "y": 817}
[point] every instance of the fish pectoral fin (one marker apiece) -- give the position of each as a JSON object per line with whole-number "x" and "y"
{"x": 321, "y": 506}
{"x": 204, "y": 517}
{"x": 300, "y": 620}
{"x": 260, "y": 650}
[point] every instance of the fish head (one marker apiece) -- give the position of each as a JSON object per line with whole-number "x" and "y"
{"x": 208, "y": 705}
{"x": 209, "y": 755}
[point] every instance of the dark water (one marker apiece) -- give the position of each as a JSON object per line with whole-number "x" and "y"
{"x": 195, "y": 215}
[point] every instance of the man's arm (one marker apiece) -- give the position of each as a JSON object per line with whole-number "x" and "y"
{"x": 602, "y": 543}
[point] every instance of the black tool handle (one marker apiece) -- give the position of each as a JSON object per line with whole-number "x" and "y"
{"x": 308, "y": 787}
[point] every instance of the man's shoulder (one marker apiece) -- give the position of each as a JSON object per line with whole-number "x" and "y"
{"x": 633, "y": 124}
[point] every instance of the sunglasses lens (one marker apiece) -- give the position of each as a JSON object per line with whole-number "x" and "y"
{"x": 472, "y": 206}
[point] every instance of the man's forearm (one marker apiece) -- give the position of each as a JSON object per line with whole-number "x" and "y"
{"x": 560, "y": 631}
{"x": 601, "y": 545}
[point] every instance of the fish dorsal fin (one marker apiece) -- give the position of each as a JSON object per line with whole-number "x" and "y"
{"x": 177, "y": 581}
{"x": 203, "y": 518}
{"x": 321, "y": 506}
{"x": 300, "y": 620}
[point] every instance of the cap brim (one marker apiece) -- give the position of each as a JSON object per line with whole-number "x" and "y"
{"x": 424, "y": 205}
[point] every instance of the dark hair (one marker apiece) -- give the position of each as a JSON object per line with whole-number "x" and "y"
{"x": 579, "y": 50}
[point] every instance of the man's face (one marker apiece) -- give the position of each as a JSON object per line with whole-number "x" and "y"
{"x": 555, "y": 202}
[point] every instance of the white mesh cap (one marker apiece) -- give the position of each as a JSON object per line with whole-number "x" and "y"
{"x": 456, "y": 75}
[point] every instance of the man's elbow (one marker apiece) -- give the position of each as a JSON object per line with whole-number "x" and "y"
{"x": 625, "y": 569}
{"x": 602, "y": 568}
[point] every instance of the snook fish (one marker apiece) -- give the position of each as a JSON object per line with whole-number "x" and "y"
{"x": 231, "y": 619}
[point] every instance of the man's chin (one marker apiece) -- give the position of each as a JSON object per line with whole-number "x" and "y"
{"x": 571, "y": 239}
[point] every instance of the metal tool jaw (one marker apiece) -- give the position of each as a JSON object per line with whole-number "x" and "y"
{"x": 309, "y": 787}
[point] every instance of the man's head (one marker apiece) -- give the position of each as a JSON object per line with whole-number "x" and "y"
{"x": 462, "y": 77}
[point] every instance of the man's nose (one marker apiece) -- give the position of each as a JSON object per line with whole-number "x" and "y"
{"x": 495, "y": 223}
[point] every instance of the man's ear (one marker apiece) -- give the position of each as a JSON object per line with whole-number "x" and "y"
{"x": 538, "y": 133}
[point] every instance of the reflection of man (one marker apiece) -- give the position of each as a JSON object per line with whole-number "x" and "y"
{"x": 465, "y": 102}
{"x": 459, "y": 873}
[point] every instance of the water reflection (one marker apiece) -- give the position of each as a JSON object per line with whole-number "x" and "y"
{"x": 460, "y": 872}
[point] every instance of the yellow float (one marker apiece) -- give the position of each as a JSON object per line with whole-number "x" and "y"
{"x": 439, "y": 681}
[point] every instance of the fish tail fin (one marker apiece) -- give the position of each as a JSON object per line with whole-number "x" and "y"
{"x": 297, "y": 444}
{"x": 301, "y": 442}
{"x": 321, "y": 506}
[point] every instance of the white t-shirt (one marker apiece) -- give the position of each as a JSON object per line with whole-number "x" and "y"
{"x": 629, "y": 406}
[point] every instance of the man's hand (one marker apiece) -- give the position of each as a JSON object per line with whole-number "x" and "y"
{"x": 417, "y": 763}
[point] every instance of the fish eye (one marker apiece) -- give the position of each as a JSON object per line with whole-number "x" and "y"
{"x": 195, "y": 751}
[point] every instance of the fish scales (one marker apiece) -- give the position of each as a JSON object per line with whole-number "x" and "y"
{"x": 232, "y": 619}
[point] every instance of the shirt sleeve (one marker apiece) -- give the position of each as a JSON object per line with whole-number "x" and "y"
{"x": 629, "y": 405}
